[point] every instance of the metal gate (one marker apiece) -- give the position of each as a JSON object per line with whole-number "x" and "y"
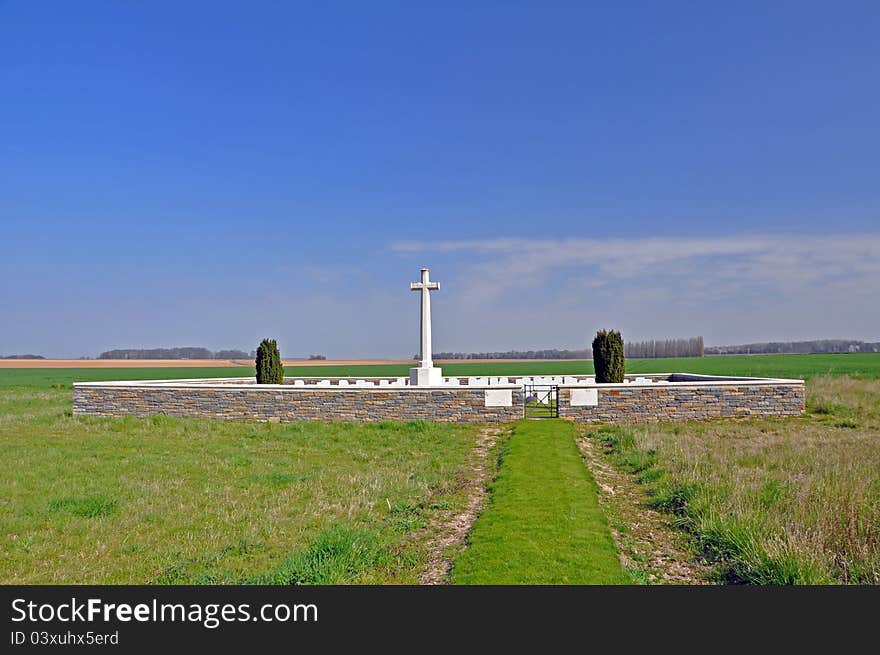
{"x": 540, "y": 401}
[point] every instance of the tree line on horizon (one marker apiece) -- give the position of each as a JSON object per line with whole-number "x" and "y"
{"x": 186, "y": 352}
{"x": 689, "y": 347}
{"x": 797, "y": 347}
{"x": 552, "y": 353}
{"x": 174, "y": 353}
{"x": 692, "y": 347}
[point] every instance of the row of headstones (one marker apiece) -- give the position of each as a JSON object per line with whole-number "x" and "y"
{"x": 451, "y": 381}
{"x": 552, "y": 380}
{"x": 398, "y": 382}
{"x": 547, "y": 380}
{"x": 402, "y": 382}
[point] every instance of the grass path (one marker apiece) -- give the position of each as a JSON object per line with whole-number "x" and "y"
{"x": 543, "y": 524}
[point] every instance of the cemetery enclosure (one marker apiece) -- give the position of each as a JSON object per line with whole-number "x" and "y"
{"x": 649, "y": 398}
{"x": 120, "y": 463}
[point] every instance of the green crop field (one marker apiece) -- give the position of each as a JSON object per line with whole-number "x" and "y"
{"x": 862, "y": 365}
{"x": 65, "y": 377}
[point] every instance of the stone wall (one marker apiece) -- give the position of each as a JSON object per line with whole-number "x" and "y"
{"x": 683, "y": 402}
{"x": 674, "y": 397}
{"x": 287, "y": 403}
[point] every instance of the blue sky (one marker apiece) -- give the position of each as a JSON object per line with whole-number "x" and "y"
{"x": 212, "y": 173}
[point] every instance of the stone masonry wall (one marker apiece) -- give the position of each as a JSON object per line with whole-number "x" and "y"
{"x": 458, "y": 405}
{"x": 686, "y": 403}
{"x": 619, "y": 403}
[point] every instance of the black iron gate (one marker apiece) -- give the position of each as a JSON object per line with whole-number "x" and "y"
{"x": 540, "y": 401}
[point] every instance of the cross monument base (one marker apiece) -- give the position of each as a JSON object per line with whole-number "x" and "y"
{"x": 425, "y": 376}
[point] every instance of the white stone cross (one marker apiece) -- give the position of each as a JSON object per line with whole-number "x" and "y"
{"x": 425, "y": 286}
{"x": 425, "y": 374}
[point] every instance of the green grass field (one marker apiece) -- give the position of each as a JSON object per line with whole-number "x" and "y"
{"x": 163, "y": 500}
{"x": 863, "y": 365}
{"x": 771, "y": 501}
{"x": 543, "y": 524}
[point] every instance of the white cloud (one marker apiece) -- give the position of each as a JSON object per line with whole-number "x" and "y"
{"x": 497, "y": 294}
{"x": 629, "y": 257}
{"x": 728, "y": 288}
{"x": 781, "y": 260}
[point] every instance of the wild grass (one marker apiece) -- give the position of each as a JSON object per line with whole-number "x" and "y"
{"x": 164, "y": 500}
{"x": 85, "y": 506}
{"x": 773, "y": 501}
{"x": 543, "y": 523}
{"x": 337, "y": 555}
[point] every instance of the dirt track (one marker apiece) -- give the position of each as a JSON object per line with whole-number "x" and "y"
{"x": 111, "y": 363}
{"x": 164, "y": 363}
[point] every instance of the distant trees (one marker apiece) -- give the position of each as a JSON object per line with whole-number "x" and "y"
{"x": 608, "y": 356}
{"x": 551, "y": 353}
{"x": 172, "y": 353}
{"x": 268, "y": 363}
{"x": 692, "y": 347}
{"x": 22, "y": 357}
{"x": 797, "y": 347}
{"x": 158, "y": 353}
{"x": 231, "y": 354}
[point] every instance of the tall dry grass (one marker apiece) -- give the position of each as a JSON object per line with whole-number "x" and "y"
{"x": 773, "y": 501}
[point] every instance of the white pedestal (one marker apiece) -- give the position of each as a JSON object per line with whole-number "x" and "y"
{"x": 426, "y": 377}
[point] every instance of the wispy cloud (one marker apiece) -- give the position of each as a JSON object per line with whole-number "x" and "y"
{"x": 728, "y": 287}
{"x": 809, "y": 257}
